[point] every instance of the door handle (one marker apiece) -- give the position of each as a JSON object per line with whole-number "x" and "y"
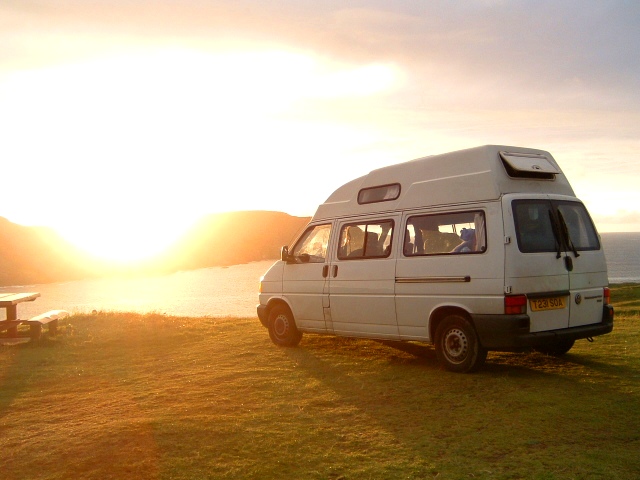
{"x": 568, "y": 263}
{"x": 335, "y": 271}
{"x": 325, "y": 271}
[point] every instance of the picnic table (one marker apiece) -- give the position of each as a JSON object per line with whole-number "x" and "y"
{"x": 10, "y": 301}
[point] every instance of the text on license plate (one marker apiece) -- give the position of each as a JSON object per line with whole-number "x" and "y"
{"x": 552, "y": 303}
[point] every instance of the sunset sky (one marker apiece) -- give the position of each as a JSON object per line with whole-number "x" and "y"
{"x": 122, "y": 122}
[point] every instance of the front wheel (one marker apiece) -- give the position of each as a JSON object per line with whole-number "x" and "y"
{"x": 282, "y": 327}
{"x": 457, "y": 346}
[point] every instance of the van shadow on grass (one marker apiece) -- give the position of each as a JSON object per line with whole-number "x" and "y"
{"x": 511, "y": 418}
{"x": 578, "y": 363}
{"x": 521, "y": 363}
{"x": 420, "y": 351}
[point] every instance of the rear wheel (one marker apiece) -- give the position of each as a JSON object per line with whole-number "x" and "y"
{"x": 457, "y": 346}
{"x": 282, "y": 327}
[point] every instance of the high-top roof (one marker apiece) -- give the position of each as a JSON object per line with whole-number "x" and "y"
{"x": 475, "y": 174}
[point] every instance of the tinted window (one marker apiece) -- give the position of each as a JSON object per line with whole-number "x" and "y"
{"x": 580, "y": 229}
{"x": 442, "y": 234}
{"x": 534, "y": 227}
{"x": 365, "y": 240}
{"x": 551, "y": 226}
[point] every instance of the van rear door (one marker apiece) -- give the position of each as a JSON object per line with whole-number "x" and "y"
{"x": 587, "y": 268}
{"x": 556, "y": 261}
{"x": 532, "y": 264}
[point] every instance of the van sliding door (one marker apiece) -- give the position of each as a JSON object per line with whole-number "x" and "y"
{"x": 361, "y": 279}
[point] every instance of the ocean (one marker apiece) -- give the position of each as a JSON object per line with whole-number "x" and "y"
{"x": 228, "y": 291}
{"x": 622, "y": 251}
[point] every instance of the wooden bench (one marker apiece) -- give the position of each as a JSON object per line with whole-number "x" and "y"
{"x": 48, "y": 318}
{"x": 11, "y": 326}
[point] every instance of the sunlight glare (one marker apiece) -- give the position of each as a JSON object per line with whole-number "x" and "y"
{"x": 133, "y": 147}
{"x": 124, "y": 239}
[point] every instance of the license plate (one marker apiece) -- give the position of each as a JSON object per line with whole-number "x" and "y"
{"x": 552, "y": 303}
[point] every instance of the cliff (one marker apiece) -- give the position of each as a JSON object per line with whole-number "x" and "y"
{"x": 30, "y": 255}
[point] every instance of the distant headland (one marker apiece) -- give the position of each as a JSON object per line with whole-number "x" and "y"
{"x": 32, "y": 255}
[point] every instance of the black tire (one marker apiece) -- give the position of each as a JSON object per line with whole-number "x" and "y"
{"x": 556, "y": 349}
{"x": 282, "y": 327}
{"x": 457, "y": 346}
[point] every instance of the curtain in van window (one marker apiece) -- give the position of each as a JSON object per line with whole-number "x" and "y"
{"x": 478, "y": 221}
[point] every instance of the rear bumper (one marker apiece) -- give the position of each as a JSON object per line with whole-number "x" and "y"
{"x": 511, "y": 332}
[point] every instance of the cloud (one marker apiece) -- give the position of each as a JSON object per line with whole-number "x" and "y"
{"x": 520, "y": 53}
{"x": 621, "y": 221}
{"x": 373, "y": 82}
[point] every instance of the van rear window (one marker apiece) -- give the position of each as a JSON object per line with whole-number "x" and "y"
{"x": 445, "y": 234}
{"x": 553, "y": 226}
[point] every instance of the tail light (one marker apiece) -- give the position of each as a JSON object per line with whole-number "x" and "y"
{"x": 515, "y": 304}
{"x": 607, "y": 295}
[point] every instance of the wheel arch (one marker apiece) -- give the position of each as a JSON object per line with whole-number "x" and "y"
{"x": 275, "y": 301}
{"x": 442, "y": 312}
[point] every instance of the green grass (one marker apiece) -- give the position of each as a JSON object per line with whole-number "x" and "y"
{"x": 128, "y": 396}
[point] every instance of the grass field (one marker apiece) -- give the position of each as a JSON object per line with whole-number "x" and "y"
{"x": 126, "y": 396}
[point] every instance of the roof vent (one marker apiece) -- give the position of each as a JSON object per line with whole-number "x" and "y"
{"x": 529, "y": 165}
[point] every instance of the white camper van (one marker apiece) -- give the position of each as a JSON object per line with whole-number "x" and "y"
{"x": 476, "y": 250}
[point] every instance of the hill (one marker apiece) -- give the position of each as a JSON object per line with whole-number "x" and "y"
{"x": 233, "y": 238}
{"x": 30, "y": 255}
{"x": 39, "y": 255}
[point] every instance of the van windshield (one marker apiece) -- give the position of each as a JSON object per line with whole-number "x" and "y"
{"x": 551, "y": 226}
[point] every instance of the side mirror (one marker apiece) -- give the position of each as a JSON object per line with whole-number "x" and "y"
{"x": 284, "y": 254}
{"x": 305, "y": 258}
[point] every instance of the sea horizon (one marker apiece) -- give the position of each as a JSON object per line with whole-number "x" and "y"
{"x": 229, "y": 291}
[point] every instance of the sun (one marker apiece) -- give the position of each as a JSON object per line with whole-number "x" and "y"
{"x": 124, "y": 240}
{"x": 131, "y": 149}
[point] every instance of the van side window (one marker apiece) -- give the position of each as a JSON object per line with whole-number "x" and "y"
{"x": 383, "y": 193}
{"x": 445, "y": 234}
{"x": 312, "y": 245}
{"x": 365, "y": 240}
